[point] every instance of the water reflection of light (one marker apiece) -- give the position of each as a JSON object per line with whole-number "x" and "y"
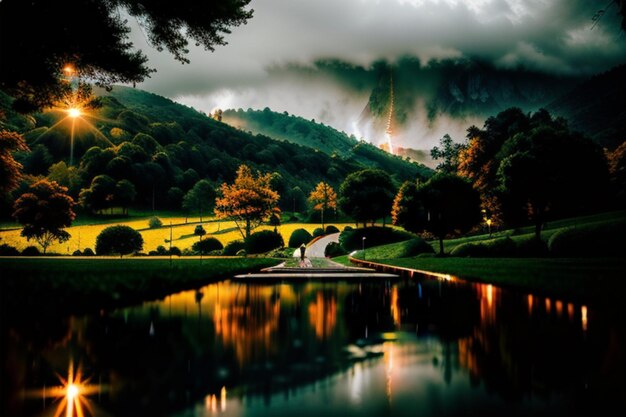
{"x": 323, "y": 314}
{"x": 548, "y": 305}
{"x": 559, "y": 307}
{"x": 570, "y": 311}
{"x": 395, "y": 306}
{"x": 211, "y": 402}
{"x": 388, "y": 349}
{"x": 488, "y": 299}
{"x": 583, "y": 317}
{"x": 530, "y": 303}
{"x": 356, "y": 383}
{"x": 72, "y": 393}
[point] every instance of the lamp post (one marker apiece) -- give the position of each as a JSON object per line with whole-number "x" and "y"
{"x": 363, "y": 246}
{"x": 489, "y": 226}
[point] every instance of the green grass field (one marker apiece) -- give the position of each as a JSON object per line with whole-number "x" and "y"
{"x": 84, "y": 235}
{"x": 78, "y": 284}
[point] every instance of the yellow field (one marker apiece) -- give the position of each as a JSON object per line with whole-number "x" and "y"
{"x": 182, "y": 234}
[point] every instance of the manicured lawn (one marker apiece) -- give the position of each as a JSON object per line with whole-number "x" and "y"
{"x": 76, "y": 284}
{"x": 84, "y": 236}
{"x": 597, "y": 280}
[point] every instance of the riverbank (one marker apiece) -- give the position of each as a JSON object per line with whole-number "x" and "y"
{"x": 590, "y": 280}
{"x": 70, "y": 285}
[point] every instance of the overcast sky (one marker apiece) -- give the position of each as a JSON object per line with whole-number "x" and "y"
{"x": 253, "y": 70}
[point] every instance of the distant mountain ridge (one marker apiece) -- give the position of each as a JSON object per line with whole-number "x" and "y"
{"x": 164, "y": 148}
{"x": 597, "y": 107}
{"x": 315, "y": 135}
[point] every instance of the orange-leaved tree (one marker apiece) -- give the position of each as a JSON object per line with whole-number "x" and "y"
{"x": 249, "y": 200}
{"x": 323, "y": 197}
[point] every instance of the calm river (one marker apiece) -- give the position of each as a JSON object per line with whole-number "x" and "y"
{"x": 400, "y": 348}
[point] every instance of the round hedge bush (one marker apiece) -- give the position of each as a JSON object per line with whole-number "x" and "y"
{"x": 31, "y": 251}
{"x": 155, "y": 223}
{"x": 334, "y": 249}
{"x": 77, "y": 252}
{"x": 118, "y": 239}
{"x": 605, "y": 239}
{"x": 232, "y": 248}
{"x": 416, "y": 246}
{"x": 299, "y": 237}
{"x": 8, "y": 250}
{"x": 494, "y": 248}
{"x": 318, "y": 232}
{"x": 207, "y": 245}
{"x": 331, "y": 229}
{"x": 263, "y": 241}
{"x": 88, "y": 252}
{"x": 374, "y": 236}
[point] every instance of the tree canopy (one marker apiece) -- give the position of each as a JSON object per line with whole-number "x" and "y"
{"x": 249, "y": 200}
{"x": 444, "y": 204}
{"x": 10, "y": 169}
{"x": 367, "y": 195}
{"x": 323, "y": 197}
{"x": 39, "y": 38}
{"x": 44, "y": 211}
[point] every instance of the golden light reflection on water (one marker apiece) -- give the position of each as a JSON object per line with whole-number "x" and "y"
{"x": 71, "y": 394}
{"x": 395, "y": 306}
{"x": 323, "y": 314}
{"x": 583, "y": 317}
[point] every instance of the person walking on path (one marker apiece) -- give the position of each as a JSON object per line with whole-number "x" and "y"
{"x": 302, "y": 251}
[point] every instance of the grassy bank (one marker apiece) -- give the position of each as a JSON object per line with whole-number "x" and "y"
{"x": 74, "y": 285}
{"x": 592, "y": 280}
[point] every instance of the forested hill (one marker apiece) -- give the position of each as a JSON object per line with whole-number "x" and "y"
{"x": 164, "y": 148}
{"x": 318, "y": 136}
{"x": 597, "y": 107}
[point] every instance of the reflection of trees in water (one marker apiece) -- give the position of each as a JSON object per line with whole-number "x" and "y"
{"x": 539, "y": 347}
{"x": 323, "y": 314}
{"x": 248, "y": 323}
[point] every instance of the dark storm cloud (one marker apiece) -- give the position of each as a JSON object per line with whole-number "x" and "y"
{"x": 318, "y": 58}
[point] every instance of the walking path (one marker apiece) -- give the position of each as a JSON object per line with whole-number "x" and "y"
{"x": 314, "y": 266}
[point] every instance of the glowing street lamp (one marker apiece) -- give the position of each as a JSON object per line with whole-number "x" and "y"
{"x": 489, "y": 226}
{"x": 363, "y": 246}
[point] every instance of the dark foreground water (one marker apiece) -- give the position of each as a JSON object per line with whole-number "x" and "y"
{"x": 403, "y": 348}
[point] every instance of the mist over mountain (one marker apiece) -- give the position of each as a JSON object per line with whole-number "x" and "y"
{"x": 430, "y": 100}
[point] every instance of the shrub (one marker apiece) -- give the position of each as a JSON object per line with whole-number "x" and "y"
{"x": 241, "y": 252}
{"x": 318, "y": 232}
{"x": 8, "y": 250}
{"x": 299, "y": 237}
{"x": 331, "y": 229}
{"x": 160, "y": 250}
{"x": 77, "y": 252}
{"x": 531, "y": 248}
{"x": 88, "y": 252}
{"x": 494, "y": 248}
{"x": 334, "y": 249}
{"x": 374, "y": 236}
{"x": 174, "y": 251}
{"x": 263, "y": 241}
{"x": 274, "y": 220}
{"x": 207, "y": 245}
{"x": 233, "y": 248}
{"x": 199, "y": 230}
{"x": 118, "y": 239}
{"x": 348, "y": 228}
{"x": 416, "y": 246}
{"x": 155, "y": 223}
{"x": 282, "y": 253}
{"x": 603, "y": 239}
{"x": 31, "y": 251}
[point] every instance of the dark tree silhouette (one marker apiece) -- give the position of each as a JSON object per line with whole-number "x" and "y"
{"x": 444, "y": 204}
{"x": 118, "y": 239}
{"x": 10, "y": 169}
{"x": 39, "y": 37}
{"x": 367, "y": 195}
{"x": 44, "y": 212}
